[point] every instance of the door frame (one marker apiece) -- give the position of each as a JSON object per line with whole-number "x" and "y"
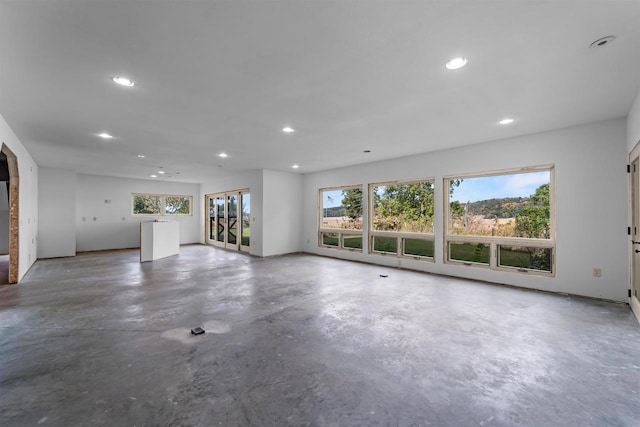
{"x": 237, "y": 246}
{"x": 634, "y": 209}
{"x": 14, "y": 214}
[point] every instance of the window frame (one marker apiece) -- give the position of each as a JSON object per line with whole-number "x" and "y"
{"x": 495, "y": 242}
{"x": 400, "y": 236}
{"x": 340, "y": 231}
{"x": 162, "y": 198}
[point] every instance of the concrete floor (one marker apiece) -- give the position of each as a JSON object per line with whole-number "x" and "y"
{"x": 300, "y": 340}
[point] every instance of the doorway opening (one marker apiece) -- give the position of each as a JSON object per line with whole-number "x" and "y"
{"x": 9, "y": 218}
{"x": 228, "y": 222}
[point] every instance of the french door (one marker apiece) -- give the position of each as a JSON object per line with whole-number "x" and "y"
{"x": 229, "y": 220}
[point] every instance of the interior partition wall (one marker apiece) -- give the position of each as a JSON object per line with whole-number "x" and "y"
{"x": 228, "y": 219}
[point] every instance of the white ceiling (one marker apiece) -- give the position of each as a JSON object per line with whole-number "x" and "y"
{"x": 214, "y": 76}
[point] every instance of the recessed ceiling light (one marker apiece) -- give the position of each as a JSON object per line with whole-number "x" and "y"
{"x": 161, "y": 172}
{"x": 288, "y": 129}
{"x": 123, "y": 81}
{"x": 223, "y": 155}
{"x": 153, "y": 176}
{"x": 141, "y": 156}
{"x": 105, "y": 135}
{"x": 603, "y": 41}
{"x": 295, "y": 166}
{"x": 506, "y": 121}
{"x": 456, "y": 63}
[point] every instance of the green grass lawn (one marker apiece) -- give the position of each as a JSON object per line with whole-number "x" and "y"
{"x": 385, "y": 244}
{"x": 245, "y": 239}
{"x": 510, "y": 256}
{"x": 469, "y": 252}
{"x": 531, "y": 258}
{"x": 413, "y": 247}
{"x": 418, "y": 247}
{"x": 330, "y": 239}
{"x": 352, "y": 241}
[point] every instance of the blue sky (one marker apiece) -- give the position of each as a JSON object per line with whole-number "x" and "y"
{"x": 331, "y": 198}
{"x": 496, "y": 187}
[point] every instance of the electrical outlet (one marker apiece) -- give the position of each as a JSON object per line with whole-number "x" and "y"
{"x": 597, "y": 272}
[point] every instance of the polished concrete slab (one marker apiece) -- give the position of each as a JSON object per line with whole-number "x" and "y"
{"x": 300, "y": 340}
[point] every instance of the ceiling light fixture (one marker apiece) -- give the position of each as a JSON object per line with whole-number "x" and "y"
{"x": 105, "y": 135}
{"x": 506, "y": 121}
{"x": 223, "y": 155}
{"x": 123, "y": 81}
{"x": 456, "y": 63}
{"x": 288, "y": 129}
{"x": 141, "y": 156}
{"x": 153, "y": 176}
{"x": 161, "y": 172}
{"x": 295, "y": 166}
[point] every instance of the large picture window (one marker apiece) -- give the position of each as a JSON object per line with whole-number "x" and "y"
{"x": 502, "y": 220}
{"x": 401, "y": 221}
{"x": 341, "y": 218}
{"x": 161, "y": 204}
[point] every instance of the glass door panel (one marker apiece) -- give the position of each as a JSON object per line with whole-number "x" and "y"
{"x": 228, "y": 222}
{"x": 212, "y": 218}
{"x": 220, "y": 219}
{"x": 232, "y": 221}
{"x": 245, "y": 224}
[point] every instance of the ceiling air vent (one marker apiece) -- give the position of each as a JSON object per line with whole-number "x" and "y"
{"x": 603, "y": 41}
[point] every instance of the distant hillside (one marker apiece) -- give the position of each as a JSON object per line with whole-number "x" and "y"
{"x": 507, "y": 207}
{"x": 335, "y": 212}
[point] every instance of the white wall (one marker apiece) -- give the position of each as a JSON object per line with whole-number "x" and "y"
{"x": 282, "y": 212}
{"x": 591, "y": 204}
{"x": 101, "y": 225}
{"x": 275, "y": 208}
{"x": 633, "y": 124}
{"x": 57, "y": 213}
{"x": 28, "y": 213}
{"x": 251, "y": 180}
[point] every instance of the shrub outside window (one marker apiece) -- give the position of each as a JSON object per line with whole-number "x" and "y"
{"x": 402, "y": 215}
{"x": 502, "y": 220}
{"x": 146, "y": 204}
{"x": 340, "y": 215}
{"x": 161, "y": 204}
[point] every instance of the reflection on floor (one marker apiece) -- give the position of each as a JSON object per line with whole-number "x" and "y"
{"x": 300, "y": 340}
{"x": 4, "y": 269}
